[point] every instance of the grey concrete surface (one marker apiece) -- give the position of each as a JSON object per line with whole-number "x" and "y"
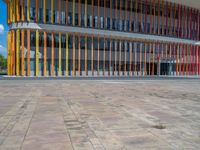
{"x": 102, "y": 115}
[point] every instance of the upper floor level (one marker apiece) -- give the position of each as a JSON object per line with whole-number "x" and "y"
{"x": 156, "y": 17}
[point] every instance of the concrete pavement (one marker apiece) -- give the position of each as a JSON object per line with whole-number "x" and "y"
{"x": 106, "y": 114}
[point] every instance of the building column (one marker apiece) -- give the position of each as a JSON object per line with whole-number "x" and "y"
{"x": 17, "y": 10}
{"x": 66, "y": 12}
{"x": 59, "y": 11}
{"x": 79, "y": 55}
{"x": 60, "y": 56}
{"x": 166, "y": 55}
{"x": 120, "y": 50}
{"x": 28, "y": 52}
{"x": 17, "y": 52}
{"x": 52, "y": 11}
{"x": 158, "y": 60}
{"x": 187, "y": 73}
{"x": 98, "y": 7}
{"x": 131, "y": 59}
{"x": 135, "y": 52}
{"x": 92, "y": 13}
{"x": 37, "y": 54}
{"x": 126, "y": 11}
{"x": 150, "y": 50}
{"x": 104, "y": 56}
{"x": 145, "y": 20}
{"x": 141, "y": 15}
{"x": 92, "y": 56}
{"x": 159, "y": 17}
{"x": 125, "y": 51}
{"x": 166, "y": 18}
{"x": 140, "y": 58}
{"x": 45, "y": 54}
{"x": 110, "y": 59}
{"x": 14, "y": 11}
{"x": 44, "y": 11}
{"x": 36, "y": 10}
{"x": 136, "y": 15}
{"x": 171, "y": 15}
{"x": 185, "y": 22}
{"x": 199, "y": 58}
{"x": 179, "y": 20}
{"x": 198, "y": 33}
{"x": 13, "y": 53}
{"x": 145, "y": 59}
{"x": 179, "y": 58}
{"x": 190, "y": 21}
{"x": 151, "y": 17}
{"x": 67, "y": 55}
{"x": 158, "y": 57}
{"x": 197, "y": 26}
{"x": 86, "y": 10}
{"x": 153, "y": 56}
{"x": 22, "y": 10}
{"x": 177, "y": 53}
{"x": 183, "y": 59}
{"x": 79, "y": 13}
{"x": 52, "y": 54}
{"x": 98, "y": 57}
{"x": 196, "y": 58}
{"x": 86, "y": 56}
{"x": 193, "y": 59}
{"x": 28, "y": 10}
{"x": 74, "y": 56}
{"x": 22, "y": 52}
{"x": 163, "y": 19}
{"x": 8, "y": 12}
{"x": 154, "y": 17}
{"x": 174, "y": 24}
{"x": 115, "y": 42}
{"x": 131, "y": 15}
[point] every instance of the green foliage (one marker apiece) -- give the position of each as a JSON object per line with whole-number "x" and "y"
{"x": 3, "y": 62}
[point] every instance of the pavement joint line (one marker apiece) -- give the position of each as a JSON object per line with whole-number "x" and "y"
{"x": 67, "y": 130}
{"x": 29, "y": 124}
{"x": 15, "y": 118}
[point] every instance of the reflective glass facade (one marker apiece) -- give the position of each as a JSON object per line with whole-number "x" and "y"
{"x": 44, "y": 48}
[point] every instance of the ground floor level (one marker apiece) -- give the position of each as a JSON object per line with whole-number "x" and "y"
{"x": 42, "y": 53}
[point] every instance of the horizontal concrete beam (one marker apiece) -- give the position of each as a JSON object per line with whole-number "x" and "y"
{"x": 99, "y": 32}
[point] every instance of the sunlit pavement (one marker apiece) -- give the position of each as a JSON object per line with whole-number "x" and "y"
{"x": 104, "y": 114}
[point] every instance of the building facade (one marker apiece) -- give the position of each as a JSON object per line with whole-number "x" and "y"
{"x": 102, "y": 38}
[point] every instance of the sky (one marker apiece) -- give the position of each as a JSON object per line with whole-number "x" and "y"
{"x": 3, "y": 28}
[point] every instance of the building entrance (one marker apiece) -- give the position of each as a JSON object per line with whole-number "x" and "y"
{"x": 165, "y": 68}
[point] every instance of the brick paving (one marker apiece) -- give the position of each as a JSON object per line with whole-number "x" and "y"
{"x": 102, "y": 115}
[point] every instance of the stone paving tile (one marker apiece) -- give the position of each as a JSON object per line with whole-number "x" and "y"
{"x": 100, "y": 115}
{"x": 48, "y": 146}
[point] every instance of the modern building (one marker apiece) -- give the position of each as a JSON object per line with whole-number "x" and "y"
{"x": 103, "y": 37}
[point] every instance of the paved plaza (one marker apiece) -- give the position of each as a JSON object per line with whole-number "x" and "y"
{"x": 102, "y": 115}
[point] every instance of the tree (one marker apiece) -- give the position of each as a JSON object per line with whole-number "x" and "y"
{"x": 3, "y": 62}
